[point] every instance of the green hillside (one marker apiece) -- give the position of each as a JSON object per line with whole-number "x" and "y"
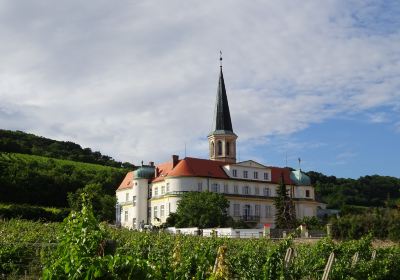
{"x": 46, "y": 181}
{"x": 26, "y": 143}
{"x": 366, "y": 191}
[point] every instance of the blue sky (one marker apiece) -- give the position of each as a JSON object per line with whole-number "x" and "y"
{"x": 137, "y": 80}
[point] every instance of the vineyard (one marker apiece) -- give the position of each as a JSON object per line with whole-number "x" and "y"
{"x": 80, "y": 247}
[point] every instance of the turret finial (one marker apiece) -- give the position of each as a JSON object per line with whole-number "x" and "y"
{"x": 220, "y": 59}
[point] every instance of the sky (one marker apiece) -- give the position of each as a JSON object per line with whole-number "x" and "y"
{"x": 137, "y": 80}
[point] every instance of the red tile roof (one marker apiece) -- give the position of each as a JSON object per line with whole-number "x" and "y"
{"x": 127, "y": 182}
{"x": 199, "y": 168}
{"x": 163, "y": 170}
{"x": 195, "y": 167}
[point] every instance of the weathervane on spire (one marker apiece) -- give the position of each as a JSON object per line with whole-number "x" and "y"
{"x": 220, "y": 59}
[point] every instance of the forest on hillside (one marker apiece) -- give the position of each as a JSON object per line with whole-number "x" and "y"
{"x": 46, "y": 181}
{"x": 366, "y": 191}
{"x": 26, "y": 143}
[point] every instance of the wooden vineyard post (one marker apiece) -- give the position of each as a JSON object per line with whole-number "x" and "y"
{"x": 328, "y": 266}
{"x": 373, "y": 255}
{"x": 288, "y": 257}
{"x": 354, "y": 260}
{"x": 220, "y": 270}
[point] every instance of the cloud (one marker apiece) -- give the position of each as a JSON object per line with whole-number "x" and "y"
{"x": 137, "y": 80}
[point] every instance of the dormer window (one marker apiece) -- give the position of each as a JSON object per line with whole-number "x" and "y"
{"x": 234, "y": 172}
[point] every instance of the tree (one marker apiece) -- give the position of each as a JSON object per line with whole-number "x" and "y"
{"x": 285, "y": 216}
{"x": 103, "y": 204}
{"x": 201, "y": 209}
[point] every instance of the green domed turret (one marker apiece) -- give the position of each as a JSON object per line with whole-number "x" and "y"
{"x": 300, "y": 178}
{"x": 144, "y": 172}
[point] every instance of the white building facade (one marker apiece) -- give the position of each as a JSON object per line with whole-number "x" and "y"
{"x": 149, "y": 194}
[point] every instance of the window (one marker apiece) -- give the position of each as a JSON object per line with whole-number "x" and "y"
{"x": 257, "y": 210}
{"x": 162, "y": 211}
{"x": 219, "y": 146}
{"x": 234, "y": 172}
{"x": 226, "y": 188}
{"x": 126, "y": 216}
{"x": 127, "y": 197}
{"x": 245, "y": 174}
{"x": 214, "y": 187}
{"x": 149, "y": 212}
{"x": 266, "y": 192}
{"x": 307, "y": 193}
{"x": 227, "y": 148}
{"x": 246, "y": 190}
{"x": 236, "y": 210}
{"x": 199, "y": 186}
{"x": 162, "y": 189}
{"x": 150, "y": 192}
{"x": 235, "y": 189}
{"x": 156, "y": 191}
{"x": 266, "y": 176}
{"x": 256, "y": 190}
{"x": 155, "y": 210}
{"x": 134, "y": 223}
{"x": 255, "y": 175}
{"x": 268, "y": 211}
{"x": 167, "y": 187}
{"x": 134, "y": 201}
{"x": 212, "y": 149}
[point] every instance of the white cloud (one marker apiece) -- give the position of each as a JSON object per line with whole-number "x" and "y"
{"x": 137, "y": 80}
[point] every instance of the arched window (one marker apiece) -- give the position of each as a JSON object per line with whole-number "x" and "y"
{"x": 227, "y": 146}
{"x": 219, "y": 145}
{"x": 211, "y": 149}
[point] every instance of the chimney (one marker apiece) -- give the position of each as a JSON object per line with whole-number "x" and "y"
{"x": 151, "y": 163}
{"x": 175, "y": 160}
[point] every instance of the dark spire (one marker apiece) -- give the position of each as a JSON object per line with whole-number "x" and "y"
{"x": 222, "y": 117}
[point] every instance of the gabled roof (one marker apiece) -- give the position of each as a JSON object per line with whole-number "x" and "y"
{"x": 250, "y": 163}
{"x": 127, "y": 182}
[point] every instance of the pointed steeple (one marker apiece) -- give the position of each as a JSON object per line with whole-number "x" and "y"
{"x": 222, "y": 139}
{"x": 222, "y": 116}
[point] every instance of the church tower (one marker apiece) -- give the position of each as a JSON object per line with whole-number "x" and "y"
{"x": 222, "y": 140}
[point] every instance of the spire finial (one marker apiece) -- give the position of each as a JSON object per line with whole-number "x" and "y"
{"x": 220, "y": 59}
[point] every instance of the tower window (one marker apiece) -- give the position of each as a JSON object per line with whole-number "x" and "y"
{"x": 212, "y": 149}
{"x": 219, "y": 145}
{"x": 227, "y": 146}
